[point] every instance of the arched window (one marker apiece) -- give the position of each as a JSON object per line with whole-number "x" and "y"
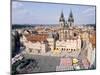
{"x": 62, "y": 48}
{"x": 69, "y": 50}
{"x": 75, "y": 34}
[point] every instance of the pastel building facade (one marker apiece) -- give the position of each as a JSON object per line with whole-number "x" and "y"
{"x": 71, "y": 48}
{"x": 90, "y": 53}
{"x": 33, "y": 45}
{"x": 51, "y": 43}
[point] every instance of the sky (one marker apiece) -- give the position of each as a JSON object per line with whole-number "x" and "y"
{"x": 49, "y": 13}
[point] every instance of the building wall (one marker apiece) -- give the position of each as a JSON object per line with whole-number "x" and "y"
{"x": 65, "y": 33}
{"x": 61, "y": 34}
{"x": 69, "y": 44}
{"x": 90, "y": 53}
{"x": 51, "y": 43}
{"x": 35, "y": 48}
{"x": 69, "y": 47}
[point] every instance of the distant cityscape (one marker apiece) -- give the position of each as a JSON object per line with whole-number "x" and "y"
{"x": 53, "y": 47}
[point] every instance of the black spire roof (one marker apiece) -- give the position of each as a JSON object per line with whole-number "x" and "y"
{"x": 70, "y": 19}
{"x": 62, "y": 17}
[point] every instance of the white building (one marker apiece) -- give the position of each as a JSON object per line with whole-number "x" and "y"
{"x": 90, "y": 53}
{"x": 69, "y": 47}
{"x": 34, "y": 45}
{"x": 36, "y": 48}
{"x": 51, "y": 43}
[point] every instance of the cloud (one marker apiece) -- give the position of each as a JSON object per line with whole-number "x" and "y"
{"x": 88, "y": 10}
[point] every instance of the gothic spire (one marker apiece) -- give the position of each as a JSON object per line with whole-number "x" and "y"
{"x": 71, "y": 19}
{"x": 62, "y": 17}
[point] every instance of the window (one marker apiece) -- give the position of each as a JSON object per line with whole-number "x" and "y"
{"x": 65, "y": 34}
{"x": 69, "y": 50}
{"x": 62, "y": 48}
{"x": 30, "y": 50}
{"x": 39, "y": 51}
{"x": 75, "y": 34}
{"x": 50, "y": 48}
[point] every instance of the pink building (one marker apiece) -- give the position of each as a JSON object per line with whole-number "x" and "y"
{"x": 65, "y": 62}
{"x": 85, "y": 63}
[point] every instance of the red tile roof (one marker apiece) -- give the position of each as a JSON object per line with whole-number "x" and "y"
{"x": 37, "y": 38}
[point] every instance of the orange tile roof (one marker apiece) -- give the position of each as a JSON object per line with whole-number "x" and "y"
{"x": 37, "y": 38}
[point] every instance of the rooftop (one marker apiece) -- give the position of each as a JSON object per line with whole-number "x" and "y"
{"x": 36, "y": 38}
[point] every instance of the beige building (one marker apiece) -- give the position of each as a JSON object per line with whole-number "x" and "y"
{"x": 36, "y": 48}
{"x": 35, "y": 44}
{"x": 69, "y": 47}
{"x": 90, "y": 53}
{"x": 50, "y": 43}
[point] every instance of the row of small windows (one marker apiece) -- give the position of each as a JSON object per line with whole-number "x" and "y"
{"x": 31, "y": 50}
{"x": 64, "y": 49}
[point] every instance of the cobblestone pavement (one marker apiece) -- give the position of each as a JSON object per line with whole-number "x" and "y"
{"x": 46, "y": 63}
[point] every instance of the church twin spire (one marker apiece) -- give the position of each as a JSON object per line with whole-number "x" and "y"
{"x": 70, "y": 19}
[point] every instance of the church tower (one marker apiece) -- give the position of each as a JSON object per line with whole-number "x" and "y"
{"x": 71, "y": 19}
{"x": 62, "y": 20}
{"x": 66, "y": 24}
{"x": 62, "y": 25}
